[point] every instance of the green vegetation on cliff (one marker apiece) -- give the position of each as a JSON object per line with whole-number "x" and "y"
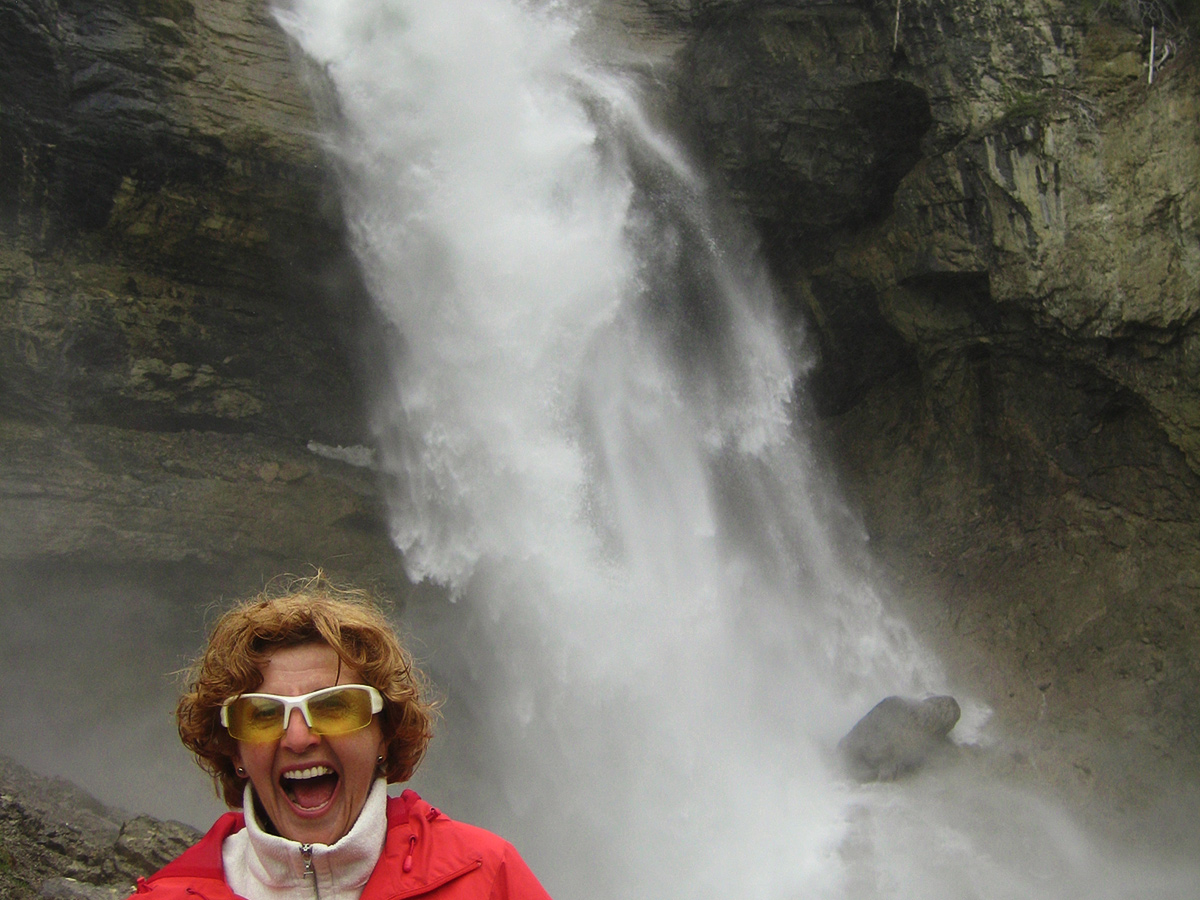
{"x": 1179, "y": 17}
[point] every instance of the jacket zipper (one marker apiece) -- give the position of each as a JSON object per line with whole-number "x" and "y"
{"x": 306, "y": 852}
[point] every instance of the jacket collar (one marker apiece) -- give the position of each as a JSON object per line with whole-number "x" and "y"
{"x": 255, "y": 857}
{"x": 409, "y": 865}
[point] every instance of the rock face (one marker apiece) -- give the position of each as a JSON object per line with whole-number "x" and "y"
{"x": 176, "y": 299}
{"x": 800, "y": 106}
{"x": 56, "y": 841}
{"x": 990, "y": 223}
{"x": 898, "y": 736}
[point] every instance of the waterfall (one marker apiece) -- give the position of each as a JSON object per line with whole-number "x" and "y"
{"x": 659, "y": 622}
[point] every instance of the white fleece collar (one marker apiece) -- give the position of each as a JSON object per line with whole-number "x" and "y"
{"x": 263, "y": 866}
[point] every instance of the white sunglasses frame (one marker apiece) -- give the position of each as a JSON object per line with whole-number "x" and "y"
{"x": 300, "y": 702}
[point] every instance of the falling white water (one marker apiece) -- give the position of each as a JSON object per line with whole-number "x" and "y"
{"x": 657, "y": 634}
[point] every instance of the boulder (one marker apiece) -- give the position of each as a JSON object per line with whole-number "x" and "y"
{"x": 898, "y": 736}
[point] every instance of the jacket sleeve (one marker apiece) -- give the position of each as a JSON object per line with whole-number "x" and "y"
{"x": 515, "y": 880}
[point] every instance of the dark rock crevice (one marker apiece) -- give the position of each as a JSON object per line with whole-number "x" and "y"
{"x": 797, "y": 107}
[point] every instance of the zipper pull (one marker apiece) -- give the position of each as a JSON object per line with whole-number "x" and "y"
{"x": 306, "y": 852}
{"x": 408, "y": 860}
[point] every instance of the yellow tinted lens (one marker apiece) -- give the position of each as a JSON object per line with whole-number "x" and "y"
{"x": 340, "y": 711}
{"x": 255, "y": 719}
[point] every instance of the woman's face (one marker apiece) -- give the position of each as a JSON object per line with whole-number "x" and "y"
{"x": 337, "y": 770}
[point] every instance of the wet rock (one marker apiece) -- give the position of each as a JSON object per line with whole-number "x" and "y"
{"x": 58, "y": 842}
{"x": 147, "y": 844}
{"x": 73, "y": 889}
{"x": 898, "y": 736}
{"x": 799, "y": 107}
{"x": 176, "y": 296}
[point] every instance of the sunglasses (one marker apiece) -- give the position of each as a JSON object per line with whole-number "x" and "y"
{"x": 341, "y": 709}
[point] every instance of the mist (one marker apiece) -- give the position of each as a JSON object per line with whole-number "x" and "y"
{"x": 88, "y": 685}
{"x": 658, "y": 618}
{"x": 662, "y": 619}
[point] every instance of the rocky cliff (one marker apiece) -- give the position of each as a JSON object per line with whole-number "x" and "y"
{"x": 983, "y": 211}
{"x": 58, "y": 842}
{"x": 988, "y": 216}
{"x": 175, "y": 297}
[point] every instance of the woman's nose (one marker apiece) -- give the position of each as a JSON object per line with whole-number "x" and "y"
{"x": 298, "y": 736}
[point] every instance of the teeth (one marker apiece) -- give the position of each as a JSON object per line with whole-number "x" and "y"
{"x": 312, "y": 772}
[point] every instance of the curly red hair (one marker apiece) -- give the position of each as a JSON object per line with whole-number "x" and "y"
{"x": 301, "y": 611}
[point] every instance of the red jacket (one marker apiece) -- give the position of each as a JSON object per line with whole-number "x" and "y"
{"x": 426, "y": 854}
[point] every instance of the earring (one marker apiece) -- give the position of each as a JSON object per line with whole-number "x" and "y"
{"x": 379, "y": 759}
{"x": 241, "y": 771}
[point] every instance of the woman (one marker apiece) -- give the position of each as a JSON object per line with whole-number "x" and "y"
{"x": 303, "y": 708}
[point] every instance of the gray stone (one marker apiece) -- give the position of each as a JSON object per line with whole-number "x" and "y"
{"x": 59, "y": 843}
{"x": 147, "y": 844}
{"x": 72, "y": 889}
{"x": 898, "y": 736}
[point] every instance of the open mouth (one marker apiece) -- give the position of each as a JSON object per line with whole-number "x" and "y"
{"x": 309, "y": 789}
